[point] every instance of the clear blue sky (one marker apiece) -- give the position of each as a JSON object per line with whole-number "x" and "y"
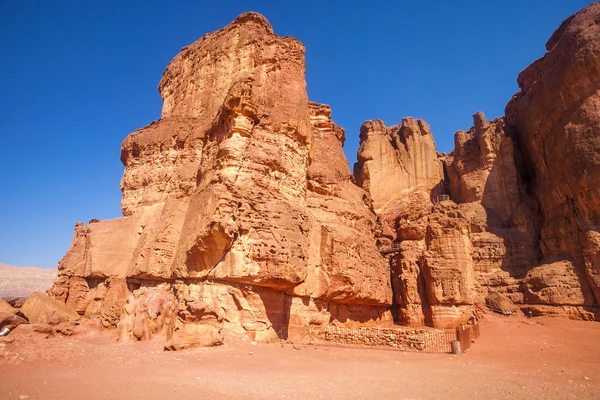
{"x": 78, "y": 76}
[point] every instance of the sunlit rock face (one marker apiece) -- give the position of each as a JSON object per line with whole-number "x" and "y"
{"x": 523, "y": 208}
{"x": 239, "y": 207}
{"x": 241, "y": 213}
{"x": 397, "y": 160}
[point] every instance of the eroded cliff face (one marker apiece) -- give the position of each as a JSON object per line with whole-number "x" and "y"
{"x": 555, "y": 118}
{"x": 453, "y": 251}
{"x": 394, "y": 161}
{"x": 241, "y": 213}
{"x": 433, "y": 269}
{"x": 521, "y": 217}
{"x": 486, "y": 180}
{"x": 239, "y": 208}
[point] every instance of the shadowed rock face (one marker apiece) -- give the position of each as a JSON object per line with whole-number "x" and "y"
{"x": 241, "y": 187}
{"x": 241, "y": 211}
{"x": 556, "y": 118}
{"x": 482, "y": 168}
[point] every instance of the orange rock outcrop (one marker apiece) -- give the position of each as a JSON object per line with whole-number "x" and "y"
{"x": 241, "y": 213}
{"x": 556, "y": 119}
{"x": 521, "y": 216}
{"x": 239, "y": 207}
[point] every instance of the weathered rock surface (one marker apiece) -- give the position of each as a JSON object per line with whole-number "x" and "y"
{"x": 483, "y": 168}
{"x": 41, "y": 309}
{"x": 556, "y": 283}
{"x": 394, "y": 161}
{"x": 341, "y": 267}
{"x": 500, "y": 304}
{"x": 15, "y": 302}
{"x": 6, "y": 309}
{"x": 433, "y": 271}
{"x": 485, "y": 179}
{"x": 148, "y": 314}
{"x": 522, "y": 216}
{"x": 9, "y": 317}
{"x": 241, "y": 214}
{"x": 555, "y": 118}
{"x": 242, "y": 181}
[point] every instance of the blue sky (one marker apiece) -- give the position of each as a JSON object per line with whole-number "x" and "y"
{"x": 78, "y": 76}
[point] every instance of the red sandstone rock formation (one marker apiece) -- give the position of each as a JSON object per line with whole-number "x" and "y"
{"x": 40, "y": 309}
{"x": 523, "y": 217}
{"x": 239, "y": 207}
{"x": 240, "y": 211}
{"x": 482, "y": 168}
{"x": 9, "y": 319}
{"x": 433, "y": 270}
{"x": 394, "y": 161}
{"x": 484, "y": 179}
{"x": 555, "y": 119}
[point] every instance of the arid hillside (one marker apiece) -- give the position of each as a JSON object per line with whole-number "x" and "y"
{"x": 22, "y": 281}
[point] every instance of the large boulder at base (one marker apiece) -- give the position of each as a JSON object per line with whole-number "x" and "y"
{"x": 41, "y": 309}
{"x": 499, "y": 303}
{"x": 194, "y": 335}
{"x": 9, "y": 317}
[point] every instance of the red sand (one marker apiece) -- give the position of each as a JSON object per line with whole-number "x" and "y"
{"x": 543, "y": 358}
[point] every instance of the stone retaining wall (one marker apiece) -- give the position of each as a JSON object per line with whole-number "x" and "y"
{"x": 406, "y": 339}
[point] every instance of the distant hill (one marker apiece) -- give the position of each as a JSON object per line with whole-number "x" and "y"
{"x": 22, "y": 281}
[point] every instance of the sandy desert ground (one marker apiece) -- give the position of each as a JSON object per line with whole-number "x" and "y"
{"x": 541, "y": 358}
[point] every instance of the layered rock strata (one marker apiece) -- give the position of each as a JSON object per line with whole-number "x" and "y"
{"x": 555, "y": 119}
{"x": 239, "y": 208}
